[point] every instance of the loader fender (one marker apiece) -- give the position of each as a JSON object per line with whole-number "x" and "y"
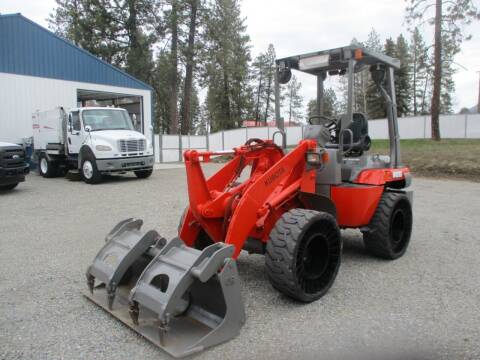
{"x": 318, "y": 202}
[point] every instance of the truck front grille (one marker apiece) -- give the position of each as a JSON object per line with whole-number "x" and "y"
{"x": 12, "y": 158}
{"x": 127, "y": 146}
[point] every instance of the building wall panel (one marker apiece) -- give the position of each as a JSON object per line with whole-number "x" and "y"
{"x": 21, "y": 95}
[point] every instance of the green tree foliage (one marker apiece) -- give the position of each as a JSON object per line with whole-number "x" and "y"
{"x": 421, "y": 79}
{"x": 375, "y": 108}
{"x": 403, "y": 77}
{"x": 330, "y": 105}
{"x": 229, "y": 95}
{"x": 293, "y": 99}
{"x": 190, "y": 99}
{"x": 448, "y": 18}
{"x": 263, "y": 72}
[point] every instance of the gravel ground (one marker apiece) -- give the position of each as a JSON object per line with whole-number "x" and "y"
{"x": 423, "y": 306}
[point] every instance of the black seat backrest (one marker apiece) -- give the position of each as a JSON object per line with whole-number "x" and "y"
{"x": 359, "y": 126}
{"x": 361, "y": 141}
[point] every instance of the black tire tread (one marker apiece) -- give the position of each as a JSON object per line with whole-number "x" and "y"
{"x": 97, "y": 175}
{"x": 281, "y": 250}
{"x": 377, "y": 238}
{"x": 52, "y": 170}
{"x": 143, "y": 174}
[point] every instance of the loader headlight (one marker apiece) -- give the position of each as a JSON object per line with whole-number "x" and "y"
{"x": 314, "y": 62}
{"x": 316, "y": 158}
{"x": 313, "y": 158}
{"x": 103, "y": 148}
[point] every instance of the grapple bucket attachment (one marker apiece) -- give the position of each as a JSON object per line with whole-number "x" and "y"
{"x": 181, "y": 299}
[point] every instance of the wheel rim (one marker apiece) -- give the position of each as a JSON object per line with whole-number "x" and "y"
{"x": 87, "y": 169}
{"x": 400, "y": 228}
{"x": 43, "y": 165}
{"x": 318, "y": 258}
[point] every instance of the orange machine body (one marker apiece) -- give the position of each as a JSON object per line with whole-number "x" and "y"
{"x": 229, "y": 208}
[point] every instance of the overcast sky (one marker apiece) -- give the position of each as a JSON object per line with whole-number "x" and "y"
{"x": 295, "y": 27}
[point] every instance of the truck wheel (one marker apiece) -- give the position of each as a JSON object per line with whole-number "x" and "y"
{"x": 389, "y": 231}
{"x": 47, "y": 168}
{"x": 8, "y": 187}
{"x": 143, "y": 174}
{"x": 89, "y": 170}
{"x": 303, "y": 254}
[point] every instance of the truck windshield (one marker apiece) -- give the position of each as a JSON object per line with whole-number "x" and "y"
{"x": 107, "y": 119}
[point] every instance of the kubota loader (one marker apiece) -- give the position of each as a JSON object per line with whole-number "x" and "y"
{"x": 184, "y": 294}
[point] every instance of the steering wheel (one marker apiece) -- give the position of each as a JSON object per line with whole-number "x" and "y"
{"x": 330, "y": 123}
{"x": 254, "y": 141}
{"x": 325, "y": 120}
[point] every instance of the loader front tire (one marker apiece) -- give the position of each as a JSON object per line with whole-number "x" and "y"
{"x": 303, "y": 254}
{"x": 389, "y": 231}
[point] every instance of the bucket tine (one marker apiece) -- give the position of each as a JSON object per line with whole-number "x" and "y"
{"x": 124, "y": 245}
{"x": 192, "y": 294}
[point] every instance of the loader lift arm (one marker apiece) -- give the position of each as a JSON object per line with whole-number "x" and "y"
{"x": 231, "y": 211}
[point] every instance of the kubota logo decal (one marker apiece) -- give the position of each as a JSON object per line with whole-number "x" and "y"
{"x": 274, "y": 176}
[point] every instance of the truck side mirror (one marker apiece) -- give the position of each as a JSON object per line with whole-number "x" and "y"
{"x": 88, "y": 128}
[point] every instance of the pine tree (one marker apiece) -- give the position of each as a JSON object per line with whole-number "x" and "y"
{"x": 133, "y": 15}
{"x": 269, "y": 69}
{"x": 403, "y": 77}
{"x": 258, "y": 75}
{"x": 330, "y": 105}
{"x": 448, "y": 19}
{"x": 173, "y": 20}
{"x": 189, "y": 91}
{"x": 293, "y": 99}
{"x": 229, "y": 96}
{"x": 375, "y": 103}
{"x": 65, "y": 19}
{"x": 449, "y": 50}
{"x": 420, "y": 72}
{"x": 160, "y": 84}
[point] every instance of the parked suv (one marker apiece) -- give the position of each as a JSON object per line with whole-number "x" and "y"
{"x": 13, "y": 167}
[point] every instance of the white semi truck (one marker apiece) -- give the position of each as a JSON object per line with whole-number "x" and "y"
{"x": 92, "y": 141}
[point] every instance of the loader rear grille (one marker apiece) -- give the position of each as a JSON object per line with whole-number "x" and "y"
{"x": 131, "y": 145}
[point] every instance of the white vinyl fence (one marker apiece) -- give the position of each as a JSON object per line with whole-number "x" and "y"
{"x": 168, "y": 149}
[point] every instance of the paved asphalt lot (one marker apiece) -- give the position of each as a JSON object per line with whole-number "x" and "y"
{"x": 425, "y": 305}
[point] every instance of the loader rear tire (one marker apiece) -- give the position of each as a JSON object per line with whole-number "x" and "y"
{"x": 303, "y": 254}
{"x": 389, "y": 231}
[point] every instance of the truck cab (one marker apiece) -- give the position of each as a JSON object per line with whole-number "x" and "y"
{"x": 13, "y": 167}
{"x": 93, "y": 141}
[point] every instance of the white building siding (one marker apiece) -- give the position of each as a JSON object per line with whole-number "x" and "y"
{"x": 21, "y": 95}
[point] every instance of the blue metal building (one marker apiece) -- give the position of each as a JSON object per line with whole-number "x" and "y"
{"x": 40, "y": 70}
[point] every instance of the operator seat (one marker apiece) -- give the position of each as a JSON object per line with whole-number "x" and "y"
{"x": 361, "y": 141}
